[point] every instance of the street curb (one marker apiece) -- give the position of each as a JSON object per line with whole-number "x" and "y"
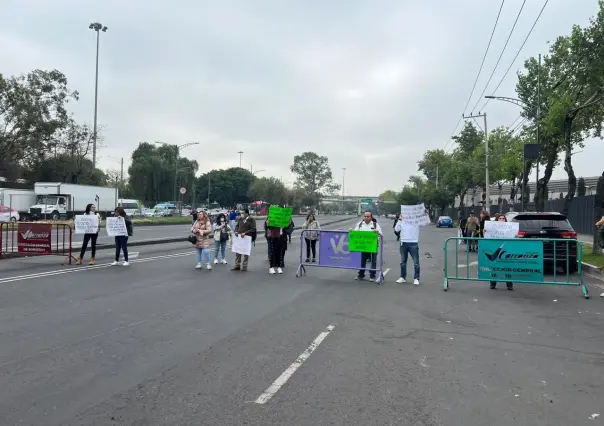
{"x": 149, "y": 242}
{"x": 593, "y": 270}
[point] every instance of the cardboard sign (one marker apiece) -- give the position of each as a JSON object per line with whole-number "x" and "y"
{"x": 363, "y": 241}
{"x": 116, "y": 227}
{"x": 494, "y": 229}
{"x": 86, "y": 224}
{"x": 279, "y": 216}
{"x": 415, "y": 215}
{"x": 242, "y": 245}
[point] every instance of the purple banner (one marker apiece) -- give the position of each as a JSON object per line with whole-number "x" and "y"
{"x": 333, "y": 250}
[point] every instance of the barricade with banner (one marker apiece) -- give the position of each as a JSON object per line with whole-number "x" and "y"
{"x": 517, "y": 261}
{"x": 335, "y": 251}
{"x": 35, "y": 239}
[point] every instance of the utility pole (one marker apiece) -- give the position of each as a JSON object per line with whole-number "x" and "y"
{"x": 487, "y": 189}
{"x": 209, "y": 183}
{"x": 240, "y": 154}
{"x": 437, "y": 176}
{"x": 538, "y": 123}
{"x": 98, "y": 27}
{"x": 343, "y": 182}
{"x": 122, "y": 174}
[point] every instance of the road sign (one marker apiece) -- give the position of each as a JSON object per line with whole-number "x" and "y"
{"x": 183, "y": 190}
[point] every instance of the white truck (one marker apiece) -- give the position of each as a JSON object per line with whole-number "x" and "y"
{"x": 64, "y": 200}
{"x": 17, "y": 199}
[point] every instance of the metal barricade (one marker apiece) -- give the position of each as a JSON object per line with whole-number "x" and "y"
{"x": 517, "y": 260}
{"x": 333, "y": 253}
{"x": 35, "y": 239}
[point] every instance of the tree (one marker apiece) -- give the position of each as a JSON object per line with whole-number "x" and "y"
{"x": 581, "y": 190}
{"x": 228, "y": 187}
{"x": 270, "y": 190}
{"x": 408, "y": 196}
{"x": 313, "y": 174}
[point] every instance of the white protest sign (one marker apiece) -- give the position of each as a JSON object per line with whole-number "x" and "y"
{"x": 415, "y": 215}
{"x": 116, "y": 227}
{"x": 242, "y": 245}
{"x": 494, "y": 229}
{"x": 86, "y": 224}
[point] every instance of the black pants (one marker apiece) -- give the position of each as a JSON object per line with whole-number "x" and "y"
{"x": 311, "y": 245}
{"x": 121, "y": 244}
{"x": 368, "y": 257}
{"x": 92, "y": 239}
{"x": 509, "y": 284}
{"x": 277, "y": 256}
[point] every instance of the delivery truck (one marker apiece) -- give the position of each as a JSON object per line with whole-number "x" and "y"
{"x": 56, "y": 201}
{"x": 17, "y": 199}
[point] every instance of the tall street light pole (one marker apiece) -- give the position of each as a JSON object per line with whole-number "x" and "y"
{"x": 98, "y": 27}
{"x": 177, "y": 148}
{"x": 240, "y": 154}
{"x": 343, "y": 182}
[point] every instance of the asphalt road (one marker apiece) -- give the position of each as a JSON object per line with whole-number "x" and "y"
{"x": 160, "y": 343}
{"x": 140, "y": 233}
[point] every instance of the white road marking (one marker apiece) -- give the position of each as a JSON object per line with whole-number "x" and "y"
{"x": 284, "y": 377}
{"x": 386, "y": 271}
{"x": 463, "y": 265}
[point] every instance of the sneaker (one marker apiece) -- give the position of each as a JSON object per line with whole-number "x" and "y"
{"x": 279, "y": 270}
{"x": 198, "y": 266}
{"x": 209, "y": 267}
{"x": 114, "y": 263}
{"x": 313, "y": 260}
{"x": 357, "y": 278}
{"x": 215, "y": 261}
{"x": 307, "y": 260}
{"x": 372, "y": 279}
{"x": 125, "y": 264}
{"x": 401, "y": 280}
{"x": 271, "y": 271}
{"x": 224, "y": 262}
{"x": 416, "y": 282}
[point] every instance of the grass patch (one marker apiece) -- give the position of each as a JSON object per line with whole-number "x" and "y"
{"x": 588, "y": 256}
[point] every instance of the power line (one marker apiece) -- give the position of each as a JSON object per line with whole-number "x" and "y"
{"x": 518, "y": 125}
{"x": 501, "y": 55}
{"x": 478, "y": 75}
{"x": 514, "y": 122}
{"x": 518, "y": 53}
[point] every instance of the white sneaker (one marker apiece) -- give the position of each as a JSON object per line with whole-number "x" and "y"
{"x": 209, "y": 267}
{"x": 114, "y": 263}
{"x": 416, "y": 282}
{"x": 198, "y": 266}
{"x": 279, "y": 270}
{"x": 125, "y": 264}
{"x": 271, "y": 271}
{"x": 401, "y": 280}
{"x": 224, "y": 262}
{"x": 215, "y": 261}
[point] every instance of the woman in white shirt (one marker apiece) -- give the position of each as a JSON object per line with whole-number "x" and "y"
{"x": 90, "y": 210}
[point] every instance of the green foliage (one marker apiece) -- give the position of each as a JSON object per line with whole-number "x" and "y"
{"x": 270, "y": 190}
{"x": 227, "y": 187}
{"x": 581, "y": 190}
{"x": 313, "y": 174}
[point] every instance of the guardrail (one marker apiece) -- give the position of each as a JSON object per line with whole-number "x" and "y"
{"x": 518, "y": 260}
{"x": 35, "y": 239}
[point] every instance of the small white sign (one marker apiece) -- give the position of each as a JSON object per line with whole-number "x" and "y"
{"x": 116, "y": 227}
{"x": 242, "y": 245}
{"x": 183, "y": 190}
{"x": 415, "y": 215}
{"x": 86, "y": 224}
{"x": 494, "y": 229}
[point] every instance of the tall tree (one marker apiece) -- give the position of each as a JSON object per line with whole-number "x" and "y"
{"x": 313, "y": 174}
{"x": 270, "y": 190}
{"x": 228, "y": 187}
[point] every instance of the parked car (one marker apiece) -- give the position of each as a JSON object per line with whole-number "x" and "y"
{"x": 554, "y": 226}
{"x": 8, "y": 215}
{"x": 444, "y": 222}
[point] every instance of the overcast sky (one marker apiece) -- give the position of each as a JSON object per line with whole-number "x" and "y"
{"x": 369, "y": 84}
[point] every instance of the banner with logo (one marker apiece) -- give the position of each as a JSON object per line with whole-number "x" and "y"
{"x": 333, "y": 250}
{"x": 34, "y": 238}
{"x": 510, "y": 260}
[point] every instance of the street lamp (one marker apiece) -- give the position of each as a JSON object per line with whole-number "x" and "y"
{"x": 177, "y": 148}
{"x": 98, "y": 27}
{"x": 240, "y": 154}
{"x": 258, "y": 171}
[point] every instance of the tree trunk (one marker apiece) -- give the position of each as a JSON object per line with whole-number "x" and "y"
{"x": 462, "y": 197}
{"x": 568, "y": 166}
{"x": 547, "y": 175}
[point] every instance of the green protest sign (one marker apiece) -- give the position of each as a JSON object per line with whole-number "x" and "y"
{"x": 362, "y": 241}
{"x": 279, "y": 216}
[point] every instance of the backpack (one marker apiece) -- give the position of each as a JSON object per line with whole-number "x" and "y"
{"x": 290, "y": 228}
{"x": 373, "y": 222}
{"x": 129, "y": 227}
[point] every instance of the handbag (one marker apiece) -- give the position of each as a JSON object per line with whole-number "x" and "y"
{"x": 192, "y": 239}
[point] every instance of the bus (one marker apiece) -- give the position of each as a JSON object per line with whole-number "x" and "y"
{"x": 131, "y": 207}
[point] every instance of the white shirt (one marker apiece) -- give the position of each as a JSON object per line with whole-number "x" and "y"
{"x": 371, "y": 226}
{"x": 409, "y": 233}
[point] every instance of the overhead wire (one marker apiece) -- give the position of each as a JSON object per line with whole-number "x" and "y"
{"x": 500, "y": 55}
{"x": 517, "y": 53}
{"x": 478, "y": 75}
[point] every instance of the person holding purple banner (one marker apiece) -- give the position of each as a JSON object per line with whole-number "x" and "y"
{"x": 311, "y": 236}
{"x": 368, "y": 224}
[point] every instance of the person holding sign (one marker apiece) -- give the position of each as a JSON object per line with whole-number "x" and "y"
{"x": 368, "y": 224}
{"x": 90, "y": 236}
{"x": 246, "y": 226}
{"x": 409, "y": 231}
{"x": 510, "y": 285}
{"x": 121, "y": 241}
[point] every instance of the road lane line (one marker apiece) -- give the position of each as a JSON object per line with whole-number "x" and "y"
{"x": 463, "y": 265}
{"x": 284, "y": 377}
{"x": 386, "y": 272}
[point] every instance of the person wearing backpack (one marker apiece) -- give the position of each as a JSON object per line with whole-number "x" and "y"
{"x": 222, "y": 233}
{"x": 121, "y": 241}
{"x": 368, "y": 224}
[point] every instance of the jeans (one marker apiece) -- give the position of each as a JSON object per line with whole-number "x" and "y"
{"x": 232, "y": 224}
{"x": 121, "y": 244}
{"x": 220, "y": 248}
{"x": 92, "y": 238}
{"x": 413, "y": 250}
{"x": 311, "y": 245}
{"x": 201, "y": 254}
{"x": 364, "y": 258}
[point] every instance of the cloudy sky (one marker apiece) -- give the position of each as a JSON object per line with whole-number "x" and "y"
{"x": 369, "y": 84}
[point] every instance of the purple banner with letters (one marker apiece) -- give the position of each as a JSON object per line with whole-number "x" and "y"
{"x": 333, "y": 250}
